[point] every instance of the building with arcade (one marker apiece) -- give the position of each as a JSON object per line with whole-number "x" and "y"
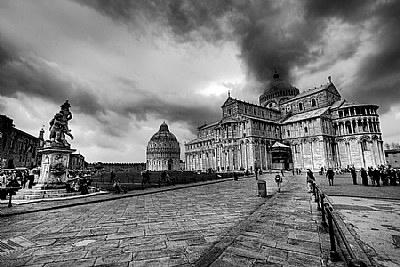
{"x": 289, "y": 129}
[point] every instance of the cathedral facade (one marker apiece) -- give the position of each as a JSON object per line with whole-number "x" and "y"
{"x": 289, "y": 129}
{"x": 163, "y": 151}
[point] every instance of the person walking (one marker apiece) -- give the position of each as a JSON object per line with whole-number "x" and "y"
{"x": 354, "y": 175}
{"x": 321, "y": 171}
{"x": 282, "y": 173}
{"x": 330, "y": 175}
{"x": 364, "y": 177}
{"x": 112, "y": 177}
{"x": 376, "y": 174}
{"x": 310, "y": 180}
{"x": 278, "y": 181}
{"x": 371, "y": 175}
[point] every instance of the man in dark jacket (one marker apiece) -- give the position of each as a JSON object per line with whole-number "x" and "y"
{"x": 354, "y": 175}
{"x": 364, "y": 176}
{"x": 330, "y": 175}
{"x": 376, "y": 174}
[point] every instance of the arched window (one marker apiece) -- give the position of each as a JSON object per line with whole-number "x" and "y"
{"x": 313, "y": 102}
{"x": 300, "y": 106}
{"x": 364, "y": 145}
{"x": 305, "y": 130}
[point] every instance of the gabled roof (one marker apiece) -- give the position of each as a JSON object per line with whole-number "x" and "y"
{"x": 257, "y": 118}
{"x": 323, "y": 87}
{"x": 205, "y": 125}
{"x": 229, "y": 101}
{"x": 306, "y": 115}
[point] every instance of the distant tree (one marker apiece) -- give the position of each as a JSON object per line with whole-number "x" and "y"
{"x": 387, "y": 146}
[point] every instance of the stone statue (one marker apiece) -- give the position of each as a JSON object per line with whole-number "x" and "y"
{"x": 59, "y": 125}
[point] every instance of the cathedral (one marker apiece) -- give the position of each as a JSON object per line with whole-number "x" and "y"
{"x": 289, "y": 130}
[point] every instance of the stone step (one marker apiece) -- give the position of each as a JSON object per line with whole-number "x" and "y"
{"x": 50, "y": 193}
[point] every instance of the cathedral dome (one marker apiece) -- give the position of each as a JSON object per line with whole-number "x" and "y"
{"x": 278, "y": 85}
{"x": 163, "y": 150}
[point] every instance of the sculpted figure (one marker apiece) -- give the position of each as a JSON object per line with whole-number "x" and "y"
{"x": 66, "y": 116}
{"x": 59, "y": 125}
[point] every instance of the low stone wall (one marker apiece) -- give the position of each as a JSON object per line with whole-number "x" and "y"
{"x": 133, "y": 180}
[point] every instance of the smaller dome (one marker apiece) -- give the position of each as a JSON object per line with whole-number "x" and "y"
{"x": 163, "y": 134}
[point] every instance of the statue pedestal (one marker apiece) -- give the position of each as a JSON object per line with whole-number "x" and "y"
{"x": 54, "y": 167}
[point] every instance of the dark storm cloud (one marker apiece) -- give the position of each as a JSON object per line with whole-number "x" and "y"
{"x": 6, "y": 53}
{"x": 36, "y": 77}
{"x": 175, "y": 112}
{"x": 378, "y": 79}
{"x": 282, "y": 34}
{"x": 350, "y": 10}
{"x": 148, "y": 103}
{"x": 270, "y": 34}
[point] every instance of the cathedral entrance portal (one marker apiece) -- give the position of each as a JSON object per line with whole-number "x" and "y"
{"x": 281, "y": 157}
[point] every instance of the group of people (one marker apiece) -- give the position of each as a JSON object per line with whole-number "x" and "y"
{"x": 79, "y": 184}
{"x": 17, "y": 178}
{"x": 382, "y": 174}
{"x": 164, "y": 178}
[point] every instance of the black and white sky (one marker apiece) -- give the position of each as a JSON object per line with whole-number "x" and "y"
{"x": 128, "y": 65}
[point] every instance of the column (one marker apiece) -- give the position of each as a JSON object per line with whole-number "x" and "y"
{"x": 266, "y": 155}
{"x": 246, "y": 153}
{"x": 362, "y": 155}
{"x": 239, "y": 156}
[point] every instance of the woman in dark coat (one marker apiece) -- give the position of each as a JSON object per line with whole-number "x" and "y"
{"x": 364, "y": 177}
{"x": 354, "y": 175}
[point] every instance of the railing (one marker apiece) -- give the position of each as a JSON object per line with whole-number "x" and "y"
{"x": 336, "y": 235}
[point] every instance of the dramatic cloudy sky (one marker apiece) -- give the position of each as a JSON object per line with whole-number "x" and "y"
{"x": 128, "y": 65}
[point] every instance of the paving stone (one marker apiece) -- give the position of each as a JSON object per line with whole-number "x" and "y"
{"x": 311, "y": 245}
{"x": 299, "y": 259}
{"x": 125, "y": 235}
{"x": 193, "y": 253}
{"x": 272, "y": 251}
{"x": 278, "y": 260}
{"x": 149, "y": 262}
{"x": 100, "y": 253}
{"x": 42, "y": 259}
{"x": 198, "y": 240}
{"x": 118, "y": 258}
{"x": 84, "y": 262}
{"x": 12, "y": 261}
{"x": 66, "y": 263}
{"x": 245, "y": 253}
{"x": 176, "y": 244}
{"x": 150, "y": 254}
{"x": 72, "y": 255}
{"x": 145, "y": 247}
{"x": 228, "y": 259}
{"x": 266, "y": 263}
